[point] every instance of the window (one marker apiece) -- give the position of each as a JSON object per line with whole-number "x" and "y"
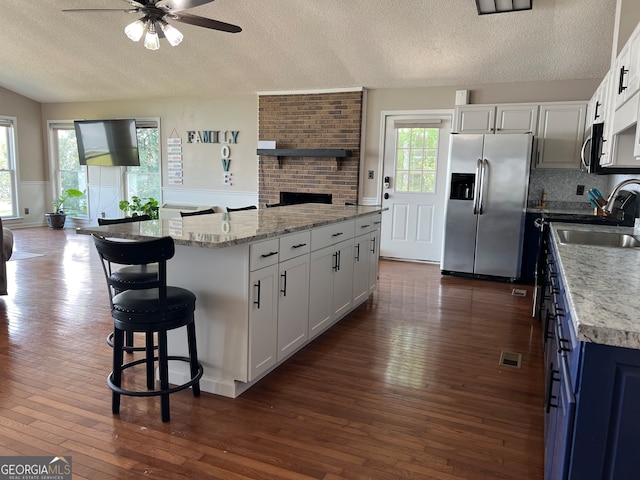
{"x": 8, "y": 181}
{"x": 145, "y": 181}
{"x": 416, "y": 158}
{"x": 70, "y": 174}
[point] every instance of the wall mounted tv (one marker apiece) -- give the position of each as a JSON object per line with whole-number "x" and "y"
{"x": 107, "y": 142}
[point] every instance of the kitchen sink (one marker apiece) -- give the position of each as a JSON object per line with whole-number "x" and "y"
{"x": 602, "y": 239}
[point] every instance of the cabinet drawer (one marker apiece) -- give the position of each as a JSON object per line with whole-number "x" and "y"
{"x": 294, "y": 245}
{"x": 365, "y": 225}
{"x": 263, "y": 254}
{"x": 331, "y": 234}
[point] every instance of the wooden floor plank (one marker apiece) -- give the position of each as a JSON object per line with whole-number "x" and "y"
{"x": 407, "y": 386}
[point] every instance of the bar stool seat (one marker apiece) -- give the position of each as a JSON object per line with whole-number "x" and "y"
{"x": 150, "y": 307}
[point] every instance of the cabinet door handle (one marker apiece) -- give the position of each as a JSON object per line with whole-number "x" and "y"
{"x": 621, "y": 86}
{"x": 552, "y": 378}
{"x": 337, "y": 234}
{"x": 338, "y": 254}
{"x": 596, "y": 114}
{"x": 335, "y": 261}
{"x": 284, "y": 284}
{"x": 300, "y": 245}
{"x": 548, "y": 335}
{"x": 257, "y": 302}
{"x": 560, "y": 347}
{"x": 357, "y": 257}
{"x": 270, "y": 254}
{"x": 373, "y": 245}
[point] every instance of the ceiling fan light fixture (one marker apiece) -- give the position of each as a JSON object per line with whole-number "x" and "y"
{"x": 135, "y": 30}
{"x": 501, "y": 6}
{"x": 172, "y": 34}
{"x": 151, "y": 40}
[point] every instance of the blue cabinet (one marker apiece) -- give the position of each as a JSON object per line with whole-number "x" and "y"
{"x": 592, "y": 421}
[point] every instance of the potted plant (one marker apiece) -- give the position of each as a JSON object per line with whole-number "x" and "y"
{"x": 57, "y": 218}
{"x": 136, "y": 207}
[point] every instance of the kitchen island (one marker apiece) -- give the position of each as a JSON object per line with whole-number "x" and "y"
{"x": 267, "y": 281}
{"x": 591, "y": 313}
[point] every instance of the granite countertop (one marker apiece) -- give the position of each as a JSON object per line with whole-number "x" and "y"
{"x": 226, "y": 229}
{"x": 602, "y": 285}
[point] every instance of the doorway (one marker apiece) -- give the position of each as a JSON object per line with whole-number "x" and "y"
{"x": 415, "y": 155}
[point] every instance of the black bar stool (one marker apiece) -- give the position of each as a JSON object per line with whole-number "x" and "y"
{"x": 149, "y": 307}
{"x": 130, "y": 274}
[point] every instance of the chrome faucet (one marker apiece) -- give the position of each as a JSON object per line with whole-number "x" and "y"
{"x": 608, "y": 206}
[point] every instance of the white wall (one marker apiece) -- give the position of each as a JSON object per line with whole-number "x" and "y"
{"x": 202, "y": 165}
{"x": 202, "y": 162}
{"x": 380, "y": 100}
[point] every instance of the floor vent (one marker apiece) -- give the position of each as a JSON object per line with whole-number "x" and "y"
{"x": 518, "y": 292}
{"x": 510, "y": 359}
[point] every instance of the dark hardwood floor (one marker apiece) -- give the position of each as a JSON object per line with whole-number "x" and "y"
{"x": 407, "y": 386}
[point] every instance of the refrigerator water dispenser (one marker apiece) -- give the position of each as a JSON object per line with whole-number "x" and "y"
{"x": 462, "y": 186}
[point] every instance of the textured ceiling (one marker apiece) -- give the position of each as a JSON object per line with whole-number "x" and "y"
{"x": 52, "y": 56}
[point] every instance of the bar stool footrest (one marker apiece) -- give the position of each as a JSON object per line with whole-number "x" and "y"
{"x": 151, "y": 393}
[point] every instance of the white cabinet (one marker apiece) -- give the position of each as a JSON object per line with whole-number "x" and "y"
{"x": 365, "y": 257}
{"x": 279, "y": 296}
{"x": 622, "y": 145}
{"x": 516, "y": 118}
{"x": 507, "y": 118}
{"x": 374, "y": 256}
{"x": 560, "y": 135}
{"x": 599, "y": 104}
{"x": 331, "y": 275}
{"x": 626, "y": 71}
{"x": 361, "y": 258}
{"x": 263, "y": 315}
{"x": 330, "y": 285}
{"x": 293, "y": 301}
{"x": 475, "y": 119}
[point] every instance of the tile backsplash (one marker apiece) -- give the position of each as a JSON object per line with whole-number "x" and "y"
{"x": 560, "y": 186}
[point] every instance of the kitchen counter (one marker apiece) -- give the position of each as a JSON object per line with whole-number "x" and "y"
{"x": 249, "y": 319}
{"x": 602, "y": 288}
{"x": 227, "y": 229}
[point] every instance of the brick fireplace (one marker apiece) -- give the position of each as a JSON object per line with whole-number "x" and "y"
{"x": 310, "y": 121}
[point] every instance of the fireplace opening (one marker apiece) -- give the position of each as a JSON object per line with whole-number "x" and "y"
{"x": 293, "y": 198}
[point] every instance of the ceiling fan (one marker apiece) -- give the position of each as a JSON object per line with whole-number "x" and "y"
{"x": 155, "y": 14}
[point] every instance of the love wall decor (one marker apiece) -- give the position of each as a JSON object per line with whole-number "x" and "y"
{"x": 225, "y": 138}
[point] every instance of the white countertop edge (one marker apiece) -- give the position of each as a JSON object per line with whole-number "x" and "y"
{"x": 602, "y": 286}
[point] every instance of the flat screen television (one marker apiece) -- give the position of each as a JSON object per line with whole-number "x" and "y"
{"x": 107, "y": 142}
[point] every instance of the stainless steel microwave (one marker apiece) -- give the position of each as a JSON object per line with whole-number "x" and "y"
{"x": 592, "y": 151}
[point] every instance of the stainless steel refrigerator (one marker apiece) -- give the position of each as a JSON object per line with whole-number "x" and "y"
{"x": 488, "y": 180}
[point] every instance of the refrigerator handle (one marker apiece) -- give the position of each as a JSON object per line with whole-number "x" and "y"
{"x": 483, "y": 171}
{"x": 478, "y": 187}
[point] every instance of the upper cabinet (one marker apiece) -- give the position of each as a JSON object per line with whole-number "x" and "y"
{"x": 622, "y": 137}
{"x": 511, "y": 118}
{"x": 560, "y": 135}
{"x": 626, "y": 71}
{"x": 558, "y": 127}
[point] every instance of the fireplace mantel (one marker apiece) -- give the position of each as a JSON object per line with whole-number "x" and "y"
{"x": 304, "y": 152}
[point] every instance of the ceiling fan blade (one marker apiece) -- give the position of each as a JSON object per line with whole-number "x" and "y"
{"x": 204, "y": 22}
{"x": 177, "y": 5}
{"x": 97, "y": 10}
{"x": 133, "y": 3}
